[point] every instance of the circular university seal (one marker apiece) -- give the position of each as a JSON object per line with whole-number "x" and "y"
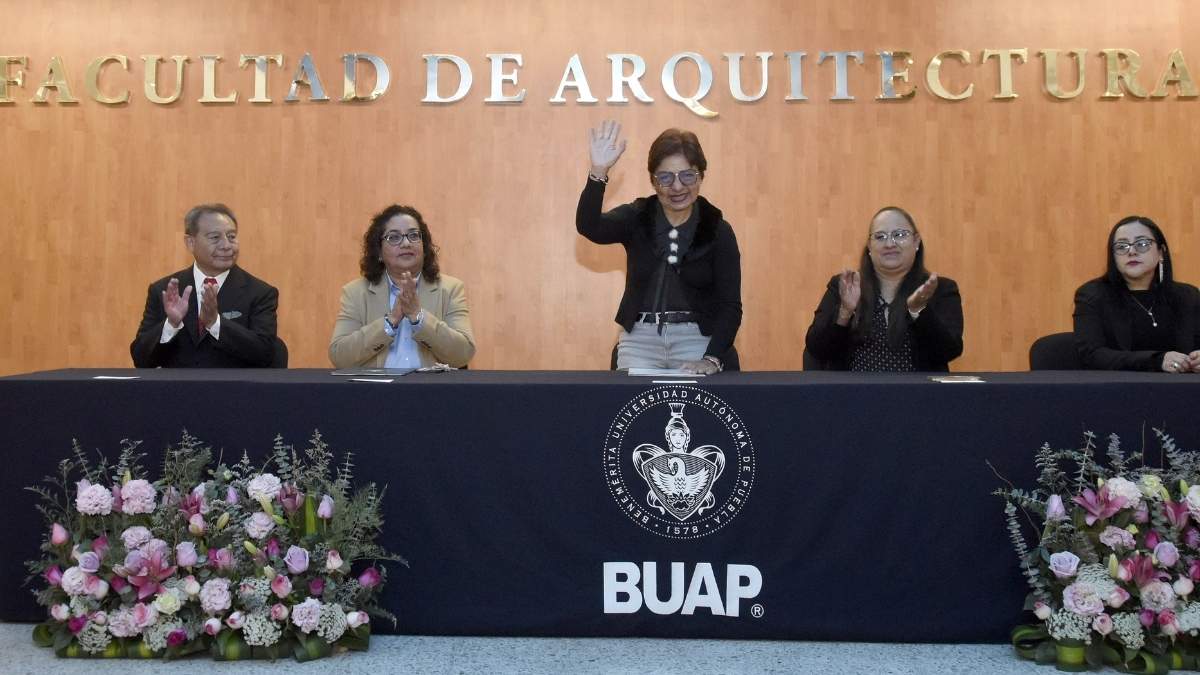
{"x": 679, "y": 461}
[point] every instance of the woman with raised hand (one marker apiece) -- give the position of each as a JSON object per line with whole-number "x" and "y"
{"x": 890, "y": 314}
{"x": 1136, "y": 316}
{"x": 682, "y": 304}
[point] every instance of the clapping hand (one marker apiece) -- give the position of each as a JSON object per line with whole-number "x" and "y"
{"x": 921, "y": 296}
{"x": 849, "y": 291}
{"x": 209, "y": 311}
{"x": 606, "y": 147}
{"x": 1193, "y": 361}
{"x": 175, "y": 306}
{"x": 407, "y": 302}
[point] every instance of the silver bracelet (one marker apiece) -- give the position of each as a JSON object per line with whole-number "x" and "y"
{"x": 597, "y": 178}
{"x": 715, "y": 361}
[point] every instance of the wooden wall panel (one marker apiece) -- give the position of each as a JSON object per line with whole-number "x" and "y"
{"x": 1013, "y": 197}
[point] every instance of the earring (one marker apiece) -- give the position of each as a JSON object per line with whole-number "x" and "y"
{"x": 1160, "y": 271}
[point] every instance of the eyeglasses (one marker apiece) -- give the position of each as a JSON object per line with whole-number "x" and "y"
{"x": 901, "y": 237}
{"x": 686, "y": 177}
{"x": 214, "y": 238}
{"x": 1141, "y": 245}
{"x": 394, "y": 238}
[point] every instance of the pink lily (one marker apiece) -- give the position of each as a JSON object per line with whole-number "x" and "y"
{"x": 1176, "y": 513}
{"x": 1143, "y": 570}
{"x": 1099, "y": 506}
{"x": 147, "y": 573}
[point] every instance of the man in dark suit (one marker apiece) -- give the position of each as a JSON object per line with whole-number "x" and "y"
{"x": 229, "y": 323}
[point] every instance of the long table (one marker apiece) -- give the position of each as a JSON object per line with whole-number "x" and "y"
{"x": 818, "y": 506}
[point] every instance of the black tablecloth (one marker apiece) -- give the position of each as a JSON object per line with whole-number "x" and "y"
{"x": 860, "y": 504}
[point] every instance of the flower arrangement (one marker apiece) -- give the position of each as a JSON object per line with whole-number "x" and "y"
{"x": 242, "y": 561}
{"x": 1114, "y": 569}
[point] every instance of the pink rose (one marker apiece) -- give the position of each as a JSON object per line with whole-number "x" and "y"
{"x": 1141, "y": 515}
{"x": 316, "y": 587}
{"x": 95, "y": 587}
{"x": 1102, "y": 624}
{"x": 185, "y": 554}
{"x": 60, "y": 612}
{"x": 53, "y": 575}
{"x": 296, "y": 560}
{"x": 1183, "y": 587}
{"x": 1125, "y": 570}
{"x": 273, "y": 547}
{"x": 235, "y": 620}
{"x": 176, "y": 638}
{"x": 325, "y": 510}
{"x": 279, "y": 611}
{"x": 356, "y": 619}
{"x": 1064, "y": 564}
{"x": 333, "y": 561}
{"x": 77, "y": 623}
{"x": 221, "y": 558}
{"x": 1118, "y": 597}
{"x": 1167, "y": 623}
{"x": 144, "y": 615}
{"x": 1152, "y": 539}
{"x": 196, "y": 525}
{"x": 1166, "y": 554}
{"x": 212, "y": 626}
{"x": 118, "y": 584}
{"x": 281, "y": 586}
{"x": 100, "y": 546}
{"x": 89, "y": 562}
{"x": 59, "y": 535}
{"x": 1147, "y": 617}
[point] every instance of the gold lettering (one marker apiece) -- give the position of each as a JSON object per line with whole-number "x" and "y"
{"x": 1176, "y": 73}
{"x": 1052, "y": 86}
{"x": 262, "y": 62}
{"x": 933, "y": 75}
{"x": 1115, "y": 75}
{"x": 91, "y": 81}
{"x": 889, "y": 75}
{"x": 210, "y": 82}
{"x": 306, "y": 76}
{"x": 56, "y": 79}
{"x": 16, "y": 79}
{"x": 150, "y": 81}
{"x": 1005, "y": 56}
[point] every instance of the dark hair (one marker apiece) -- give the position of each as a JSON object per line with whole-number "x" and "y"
{"x": 676, "y": 142}
{"x": 371, "y": 264}
{"x": 864, "y": 314}
{"x": 1112, "y": 274}
{"x": 191, "y": 221}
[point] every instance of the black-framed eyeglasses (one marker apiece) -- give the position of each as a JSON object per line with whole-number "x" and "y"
{"x": 1141, "y": 245}
{"x": 394, "y": 238}
{"x": 686, "y": 177}
{"x": 901, "y": 237}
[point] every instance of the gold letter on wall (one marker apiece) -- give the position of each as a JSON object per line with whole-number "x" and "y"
{"x": 92, "y": 80}
{"x": 1177, "y": 74}
{"x": 306, "y": 76}
{"x": 1052, "y": 86}
{"x": 210, "y": 82}
{"x": 150, "y": 84}
{"x": 888, "y": 76}
{"x": 1115, "y": 75}
{"x": 1005, "y": 57}
{"x": 261, "y": 63}
{"x": 6, "y": 78}
{"x": 383, "y": 77}
{"x": 933, "y": 75}
{"x": 56, "y": 79}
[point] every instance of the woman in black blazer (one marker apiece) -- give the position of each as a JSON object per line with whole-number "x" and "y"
{"x": 683, "y": 282}
{"x": 1136, "y": 316}
{"x": 891, "y": 314}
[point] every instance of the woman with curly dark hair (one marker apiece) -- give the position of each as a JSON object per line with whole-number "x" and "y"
{"x": 403, "y": 312}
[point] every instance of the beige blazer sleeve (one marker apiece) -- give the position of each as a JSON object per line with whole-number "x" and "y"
{"x": 359, "y": 339}
{"x": 445, "y": 334}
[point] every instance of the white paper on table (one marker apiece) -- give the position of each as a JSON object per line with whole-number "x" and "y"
{"x": 370, "y": 379}
{"x": 661, "y": 372}
{"x": 115, "y": 377}
{"x": 955, "y": 379}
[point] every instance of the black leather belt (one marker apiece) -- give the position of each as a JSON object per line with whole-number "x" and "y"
{"x": 669, "y": 317}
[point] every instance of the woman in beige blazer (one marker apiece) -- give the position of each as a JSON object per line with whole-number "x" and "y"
{"x": 402, "y": 312}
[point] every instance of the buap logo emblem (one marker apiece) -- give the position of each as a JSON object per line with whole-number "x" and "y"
{"x": 688, "y": 488}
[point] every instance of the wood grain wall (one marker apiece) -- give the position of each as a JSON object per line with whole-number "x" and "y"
{"x": 1014, "y": 197}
